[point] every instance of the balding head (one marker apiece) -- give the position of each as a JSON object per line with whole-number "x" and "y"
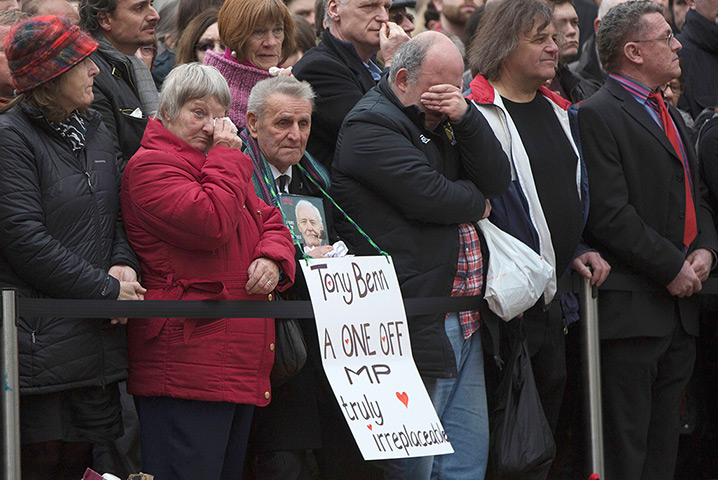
{"x": 427, "y": 60}
{"x": 414, "y": 53}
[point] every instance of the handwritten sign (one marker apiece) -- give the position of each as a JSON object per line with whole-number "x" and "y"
{"x": 364, "y": 343}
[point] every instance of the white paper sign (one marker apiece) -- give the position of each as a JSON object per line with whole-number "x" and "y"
{"x": 364, "y": 343}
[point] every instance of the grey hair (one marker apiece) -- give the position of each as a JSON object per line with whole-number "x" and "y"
{"x": 190, "y": 81}
{"x": 281, "y": 84}
{"x": 325, "y": 3}
{"x": 89, "y": 9}
{"x": 410, "y": 56}
{"x": 621, "y": 21}
{"x": 499, "y": 33}
{"x": 307, "y": 203}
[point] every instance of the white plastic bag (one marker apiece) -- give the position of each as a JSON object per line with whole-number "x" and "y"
{"x": 516, "y": 276}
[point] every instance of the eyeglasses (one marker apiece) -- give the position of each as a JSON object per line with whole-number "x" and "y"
{"x": 668, "y": 39}
{"x": 209, "y": 45}
{"x": 398, "y": 17}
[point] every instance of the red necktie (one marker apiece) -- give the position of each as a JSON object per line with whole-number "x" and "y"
{"x": 690, "y": 228}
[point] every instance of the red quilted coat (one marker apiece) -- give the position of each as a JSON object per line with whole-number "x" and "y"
{"x": 196, "y": 224}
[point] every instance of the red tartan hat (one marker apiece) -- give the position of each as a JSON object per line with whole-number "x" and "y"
{"x": 43, "y": 48}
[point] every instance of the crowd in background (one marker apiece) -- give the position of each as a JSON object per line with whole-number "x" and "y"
{"x": 145, "y": 148}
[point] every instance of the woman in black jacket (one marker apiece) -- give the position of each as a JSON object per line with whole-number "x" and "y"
{"x": 62, "y": 237}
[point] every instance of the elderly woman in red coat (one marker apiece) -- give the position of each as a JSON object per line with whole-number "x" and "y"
{"x": 200, "y": 233}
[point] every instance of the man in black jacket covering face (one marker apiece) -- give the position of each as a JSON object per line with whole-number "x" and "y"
{"x": 415, "y": 167}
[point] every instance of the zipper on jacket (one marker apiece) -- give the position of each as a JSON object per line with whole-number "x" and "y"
{"x": 32, "y": 336}
{"x": 89, "y": 182}
{"x": 98, "y": 241}
{"x": 98, "y": 226}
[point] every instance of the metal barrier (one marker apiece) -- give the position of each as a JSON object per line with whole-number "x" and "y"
{"x": 12, "y": 308}
{"x": 591, "y": 362}
{"x": 11, "y": 388}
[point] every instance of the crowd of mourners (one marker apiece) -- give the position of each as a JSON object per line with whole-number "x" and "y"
{"x": 146, "y": 149}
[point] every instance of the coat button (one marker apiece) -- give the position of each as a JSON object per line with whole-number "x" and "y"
{"x": 271, "y": 346}
{"x": 682, "y": 215}
{"x": 269, "y": 297}
{"x": 679, "y": 177}
{"x": 266, "y": 395}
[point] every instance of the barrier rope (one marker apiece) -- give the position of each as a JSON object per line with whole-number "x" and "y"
{"x": 290, "y": 309}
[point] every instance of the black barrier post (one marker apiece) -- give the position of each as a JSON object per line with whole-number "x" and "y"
{"x": 10, "y": 387}
{"x": 591, "y": 361}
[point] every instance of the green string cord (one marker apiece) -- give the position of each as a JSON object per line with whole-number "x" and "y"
{"x": 359, "y": 229}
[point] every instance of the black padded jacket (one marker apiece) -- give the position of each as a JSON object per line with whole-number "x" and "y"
{"x": 61, "y": 232}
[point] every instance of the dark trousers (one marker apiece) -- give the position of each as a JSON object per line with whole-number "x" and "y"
{"x": 191, "y": 439}
{"x": 643, "y": 382}
{"x": 547, "y": 346}
{"x": 280, "y": 465}
{"x": 55, "y": 459}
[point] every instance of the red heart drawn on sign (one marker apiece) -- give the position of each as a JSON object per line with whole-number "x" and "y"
{"x": 403, "y": 398}
{"x": 346, "y": 341}
{"x": 383, "y": 339}
{"x": 369, "y": 427}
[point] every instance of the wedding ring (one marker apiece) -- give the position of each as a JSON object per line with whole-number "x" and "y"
{"x": 269, "y": 282}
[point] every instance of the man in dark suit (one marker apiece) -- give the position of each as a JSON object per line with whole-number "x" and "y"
{"x": 649, "y": 218}
{"x": 341, "y": 69}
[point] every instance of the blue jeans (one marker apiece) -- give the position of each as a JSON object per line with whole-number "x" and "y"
{"x": 461, "y": 405}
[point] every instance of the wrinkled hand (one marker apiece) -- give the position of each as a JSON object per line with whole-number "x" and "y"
{"x": 701, "y": 260}
{"x": 599, "y": 270}
{"x": 320, "y": 252}
{"x": 686, "y": 282}
{"x": 487, "y": 211}
{"x": 391, "y": 37}
{"x": 263, "y": 276}
{"x": 123, "y": 273}
{"x": 447, "y": 100}
{"x": 130, "y": 289}
{"x": 225, "y": 134}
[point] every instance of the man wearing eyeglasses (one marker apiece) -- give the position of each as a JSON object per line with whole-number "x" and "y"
{"x": 649, "y": 218}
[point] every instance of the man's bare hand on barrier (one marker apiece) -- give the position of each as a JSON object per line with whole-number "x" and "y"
{"x": 599, "y": 270}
